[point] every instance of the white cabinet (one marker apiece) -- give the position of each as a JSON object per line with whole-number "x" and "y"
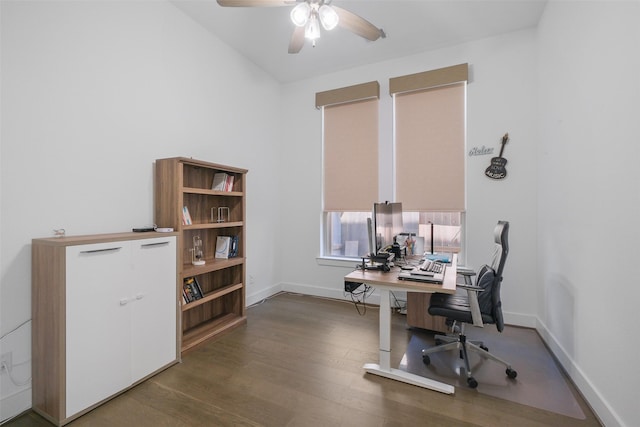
{"x": 105, "y": 317}
{"x": 98, "y": 323}
{"x": 154, "y": 309}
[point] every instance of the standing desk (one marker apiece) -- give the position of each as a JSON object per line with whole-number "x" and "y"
{"x": 385, "y": 282}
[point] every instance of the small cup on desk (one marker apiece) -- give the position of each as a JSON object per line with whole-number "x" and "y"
{"x": 418, "y": 246}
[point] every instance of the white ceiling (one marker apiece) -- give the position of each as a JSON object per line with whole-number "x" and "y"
{"x": 262, "y": 33}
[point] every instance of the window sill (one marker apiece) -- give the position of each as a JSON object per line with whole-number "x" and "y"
{"x": 328, "y": 261}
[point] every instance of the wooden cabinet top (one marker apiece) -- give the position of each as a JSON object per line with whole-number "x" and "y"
{"x": 99, "y": 238}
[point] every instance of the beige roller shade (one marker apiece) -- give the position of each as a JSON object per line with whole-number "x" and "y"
{"x": 351, "y": 155}
{"x": 429, "y": 148}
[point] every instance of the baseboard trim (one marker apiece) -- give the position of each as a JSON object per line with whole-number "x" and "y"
{"x": 263, "y": 294}
{"x": 318, "y": 291}
{"x": 519, "y": 319}
{"x": 514, "y": 319}
{"x": 594, "y": 398}
{"x": 15, "y": 404}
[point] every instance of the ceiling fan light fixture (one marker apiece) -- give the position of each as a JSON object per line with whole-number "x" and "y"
{"x": 309, "y": 15}
{"x": 300, "y": 14}
{"x": 312, "y": 30}
{"x": 328, "y": 17}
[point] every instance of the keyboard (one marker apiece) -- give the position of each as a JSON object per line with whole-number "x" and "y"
{"x": 429, "y": 271}
{"x": 431, "y": 266}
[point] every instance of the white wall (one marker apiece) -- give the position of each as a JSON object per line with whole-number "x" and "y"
{"x": 93, "y": 93}
{"x": 589, "y": 198}
{"x": 501, "y": 98}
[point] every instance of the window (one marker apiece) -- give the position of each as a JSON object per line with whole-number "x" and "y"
{"x": 447, "y": 229}
{"x": 350, "y": 155}
{"x": 350, "y": 166}
{"x": 429, "y": 137}
{"x": 429, "y": 148}
{"x": 428, "y": 165}
{"x": 347, "y": 233}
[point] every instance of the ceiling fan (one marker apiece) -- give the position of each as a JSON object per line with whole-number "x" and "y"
{"x": 309, "y": 15}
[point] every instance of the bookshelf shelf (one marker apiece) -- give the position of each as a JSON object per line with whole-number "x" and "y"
{"x": 192, "y": 190}
{"x": 213, "y": 225}
{"x": 210, "y": 329}
{"x": 212, "y": 296}
{"x": 212, "y": 264}
{"x": 184, "y": 182}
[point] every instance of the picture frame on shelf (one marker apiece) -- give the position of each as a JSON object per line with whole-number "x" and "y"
{"x": 223, "y": 247}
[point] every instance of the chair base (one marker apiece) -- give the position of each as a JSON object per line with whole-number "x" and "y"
{"x": 463, "y": 345}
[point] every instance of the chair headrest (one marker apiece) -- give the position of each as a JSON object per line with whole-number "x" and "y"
{"x": 501, "y": 239}
{"x": 501, "y": 235}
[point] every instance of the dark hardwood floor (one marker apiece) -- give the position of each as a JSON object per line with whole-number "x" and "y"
{"x": 298, "y": 362}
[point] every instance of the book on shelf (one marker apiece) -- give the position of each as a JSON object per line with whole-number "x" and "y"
{"x": 222, "y": 182}
{"x": 186, "y": 216}
{"x": 223, "y": 246}
{"x": 233, "y": 250}
{"x": 191, "y": 289}
{"x": 188, "y": 294}
{"x": 229, "y": 183}
{"x": 219, "y": 181}
{"x": 198, "y": 288}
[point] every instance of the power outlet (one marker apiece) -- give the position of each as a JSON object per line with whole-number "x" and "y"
{"x": 6, "y": 360}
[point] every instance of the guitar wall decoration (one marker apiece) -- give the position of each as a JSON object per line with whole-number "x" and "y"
{"x": 496, "y": 169}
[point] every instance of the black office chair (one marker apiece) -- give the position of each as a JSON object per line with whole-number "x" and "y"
{"x": 477, "y": 304}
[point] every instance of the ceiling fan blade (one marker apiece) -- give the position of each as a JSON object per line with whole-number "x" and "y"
{"x": 358, "y": 25}
{"x": 255, "y": 3}
{"x": 297, "y": 40}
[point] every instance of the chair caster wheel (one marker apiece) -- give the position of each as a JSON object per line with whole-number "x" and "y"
{"x": 426, "y": 359}
{"x": 472, "y": 383}
{"x": 511, "y": 373}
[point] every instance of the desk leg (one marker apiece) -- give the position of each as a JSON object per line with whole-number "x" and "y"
{"x": 385, "y": 330}
{"x": 384, "y": 368}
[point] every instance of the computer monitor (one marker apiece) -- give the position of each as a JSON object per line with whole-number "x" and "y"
{"x": 387, "y": 224}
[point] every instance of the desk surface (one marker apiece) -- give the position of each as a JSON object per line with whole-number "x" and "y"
{"x": 390, "y": 279}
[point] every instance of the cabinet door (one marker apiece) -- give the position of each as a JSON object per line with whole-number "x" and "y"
{"x": 154, "y": 307}
{"x": 97, "y": 323}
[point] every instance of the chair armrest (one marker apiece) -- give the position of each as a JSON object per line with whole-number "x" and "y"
{"x": 474, "y": 306}
{"x": 473, "y": 288}
{"x": 465, "y": 271}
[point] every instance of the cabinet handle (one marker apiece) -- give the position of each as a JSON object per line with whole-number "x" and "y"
{"x": 93, "y": 251}
{"x": 124, "y": 301}
{"x": 139, "y": 296}
{"x": 149, "y": 245}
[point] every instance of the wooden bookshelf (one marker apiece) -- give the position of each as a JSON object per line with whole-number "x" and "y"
{"x": 187, "y": 182}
